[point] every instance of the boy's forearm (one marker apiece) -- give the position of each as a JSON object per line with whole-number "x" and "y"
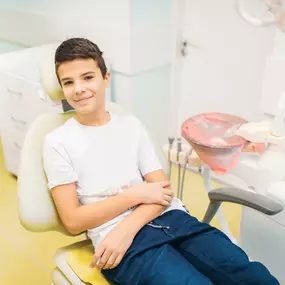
{"x": 95, "y": 214}
{"x": 142, "y": 215}
{"x": 145, "y": 213}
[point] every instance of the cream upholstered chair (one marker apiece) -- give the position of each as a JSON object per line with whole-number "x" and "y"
{"x": 37, "y": 212}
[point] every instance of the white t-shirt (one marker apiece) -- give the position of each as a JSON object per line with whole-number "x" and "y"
{"x": 100, "y": 160}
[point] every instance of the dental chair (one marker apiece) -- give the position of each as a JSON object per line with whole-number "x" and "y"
{"x": 37, "y": 211}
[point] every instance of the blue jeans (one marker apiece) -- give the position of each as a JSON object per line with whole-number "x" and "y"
{"x": 177, "y": 249}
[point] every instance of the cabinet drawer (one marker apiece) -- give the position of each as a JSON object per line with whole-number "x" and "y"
{"x": 15, "y": 92}
{"x": 12, "y": 164}
{"x": 23, "y": 100}
{"x": 12, "y": 147}
{"x": 15, "y": 123}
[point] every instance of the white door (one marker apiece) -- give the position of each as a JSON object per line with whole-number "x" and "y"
{"x": 222, "y": 61}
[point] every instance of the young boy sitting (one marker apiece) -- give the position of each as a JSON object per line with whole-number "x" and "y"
{"x": 97, "y": 164}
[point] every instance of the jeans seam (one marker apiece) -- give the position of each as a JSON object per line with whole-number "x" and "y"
{"x": 209, "y": 265}
{"x": 165, "y": 231}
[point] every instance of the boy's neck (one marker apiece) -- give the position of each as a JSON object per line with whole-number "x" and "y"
{"x": 98, "y": 118}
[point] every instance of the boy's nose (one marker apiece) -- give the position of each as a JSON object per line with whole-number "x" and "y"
{"x": 78, "y": 88}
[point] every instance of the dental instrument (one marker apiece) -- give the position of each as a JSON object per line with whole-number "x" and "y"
{"x": 184, "y": 171}
{"x": 186, "y": 157}
{"x": 179, "y": 149}
{"x": 170, "y": 141}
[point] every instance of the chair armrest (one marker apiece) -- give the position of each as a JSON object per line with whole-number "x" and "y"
{"x": 247, "y": 198}
{"x": 239, "y": 196}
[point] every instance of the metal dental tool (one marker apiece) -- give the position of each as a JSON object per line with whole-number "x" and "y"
{"x": 184, "y": 171}
{"x": 179, "y": 149}
{"x": 170, "y": 141}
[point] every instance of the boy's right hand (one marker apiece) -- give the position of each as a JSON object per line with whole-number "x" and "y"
{"x": 153, "y": 193}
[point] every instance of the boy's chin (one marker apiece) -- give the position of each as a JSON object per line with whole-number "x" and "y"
{"x": 85, "y": 110}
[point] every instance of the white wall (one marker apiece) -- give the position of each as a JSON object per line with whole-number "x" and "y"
{"x": 279, "y": 44}
{"x": 151, "y": 61}
{"x": 41, "y": 22}
{"x": 225, "y": 72}
{"x": 135, "y": 35}
{"x": 36, "y": 23}
{"x": 274, "y": 75}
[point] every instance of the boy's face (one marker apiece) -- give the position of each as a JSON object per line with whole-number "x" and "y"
{"x": 83, "y": 84}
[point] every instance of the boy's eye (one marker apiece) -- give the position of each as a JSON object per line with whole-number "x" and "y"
{"x": 67, "y": 83}
{"x": 88, "y": 77}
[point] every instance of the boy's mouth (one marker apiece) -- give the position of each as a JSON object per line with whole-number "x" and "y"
{"x": 84, "y": 99}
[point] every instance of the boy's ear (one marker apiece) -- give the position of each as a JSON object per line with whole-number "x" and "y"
{"x": 107, "y": 79}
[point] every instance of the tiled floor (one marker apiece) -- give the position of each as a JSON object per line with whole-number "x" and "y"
{"x": 26, "y": 258}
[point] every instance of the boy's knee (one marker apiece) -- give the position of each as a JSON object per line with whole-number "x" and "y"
{"x": 259, "y": 274}
{"x": 269, "y": 280}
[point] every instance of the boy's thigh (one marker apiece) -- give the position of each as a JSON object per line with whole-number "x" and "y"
{"x": 161, "y": 265}
{"x": 223, "y": 262}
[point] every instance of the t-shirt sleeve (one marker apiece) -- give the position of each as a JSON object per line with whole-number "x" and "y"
{"x": 57, "y": 164}
{"x": 147, "y": 158}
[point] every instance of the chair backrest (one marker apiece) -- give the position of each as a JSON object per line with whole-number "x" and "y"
{"x": 36, "y": 209}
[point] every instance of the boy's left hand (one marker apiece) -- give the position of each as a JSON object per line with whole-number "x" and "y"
{"x": 112, "y": 249}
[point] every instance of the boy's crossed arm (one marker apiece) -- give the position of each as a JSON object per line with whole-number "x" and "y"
{"x": 113, "y": 248}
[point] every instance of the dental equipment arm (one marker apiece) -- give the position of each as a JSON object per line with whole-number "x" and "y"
{"x": 239, "y": 196}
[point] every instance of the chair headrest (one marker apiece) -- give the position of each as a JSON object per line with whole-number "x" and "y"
{"x": 48, "y": 78}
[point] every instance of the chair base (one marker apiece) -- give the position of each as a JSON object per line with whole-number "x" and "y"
{"x": 72, "y": 263}
{"x": 64, "y": 274}
{"x": 58, "y": 278}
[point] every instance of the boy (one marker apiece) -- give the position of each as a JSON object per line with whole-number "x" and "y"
{"x": 95, "y": 163}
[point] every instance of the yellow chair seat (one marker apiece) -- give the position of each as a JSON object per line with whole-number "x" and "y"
{"x": 79, "y": 259}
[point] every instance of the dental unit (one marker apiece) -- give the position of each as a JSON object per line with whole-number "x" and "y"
{"x": 240, "y": 154}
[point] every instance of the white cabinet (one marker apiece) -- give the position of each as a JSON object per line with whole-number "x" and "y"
{"x": 22, "y": 98}
{"x": 22, "y": 101}
{"x": 12, "y": 145}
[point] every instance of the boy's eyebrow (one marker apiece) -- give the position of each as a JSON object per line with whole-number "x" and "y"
{"x": 89, "y": 72}
{"x": 85, "y": 73}
{"x": 65, "y": 78}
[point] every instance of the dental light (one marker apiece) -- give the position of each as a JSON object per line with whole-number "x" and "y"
{"x": 274, "y": 14}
